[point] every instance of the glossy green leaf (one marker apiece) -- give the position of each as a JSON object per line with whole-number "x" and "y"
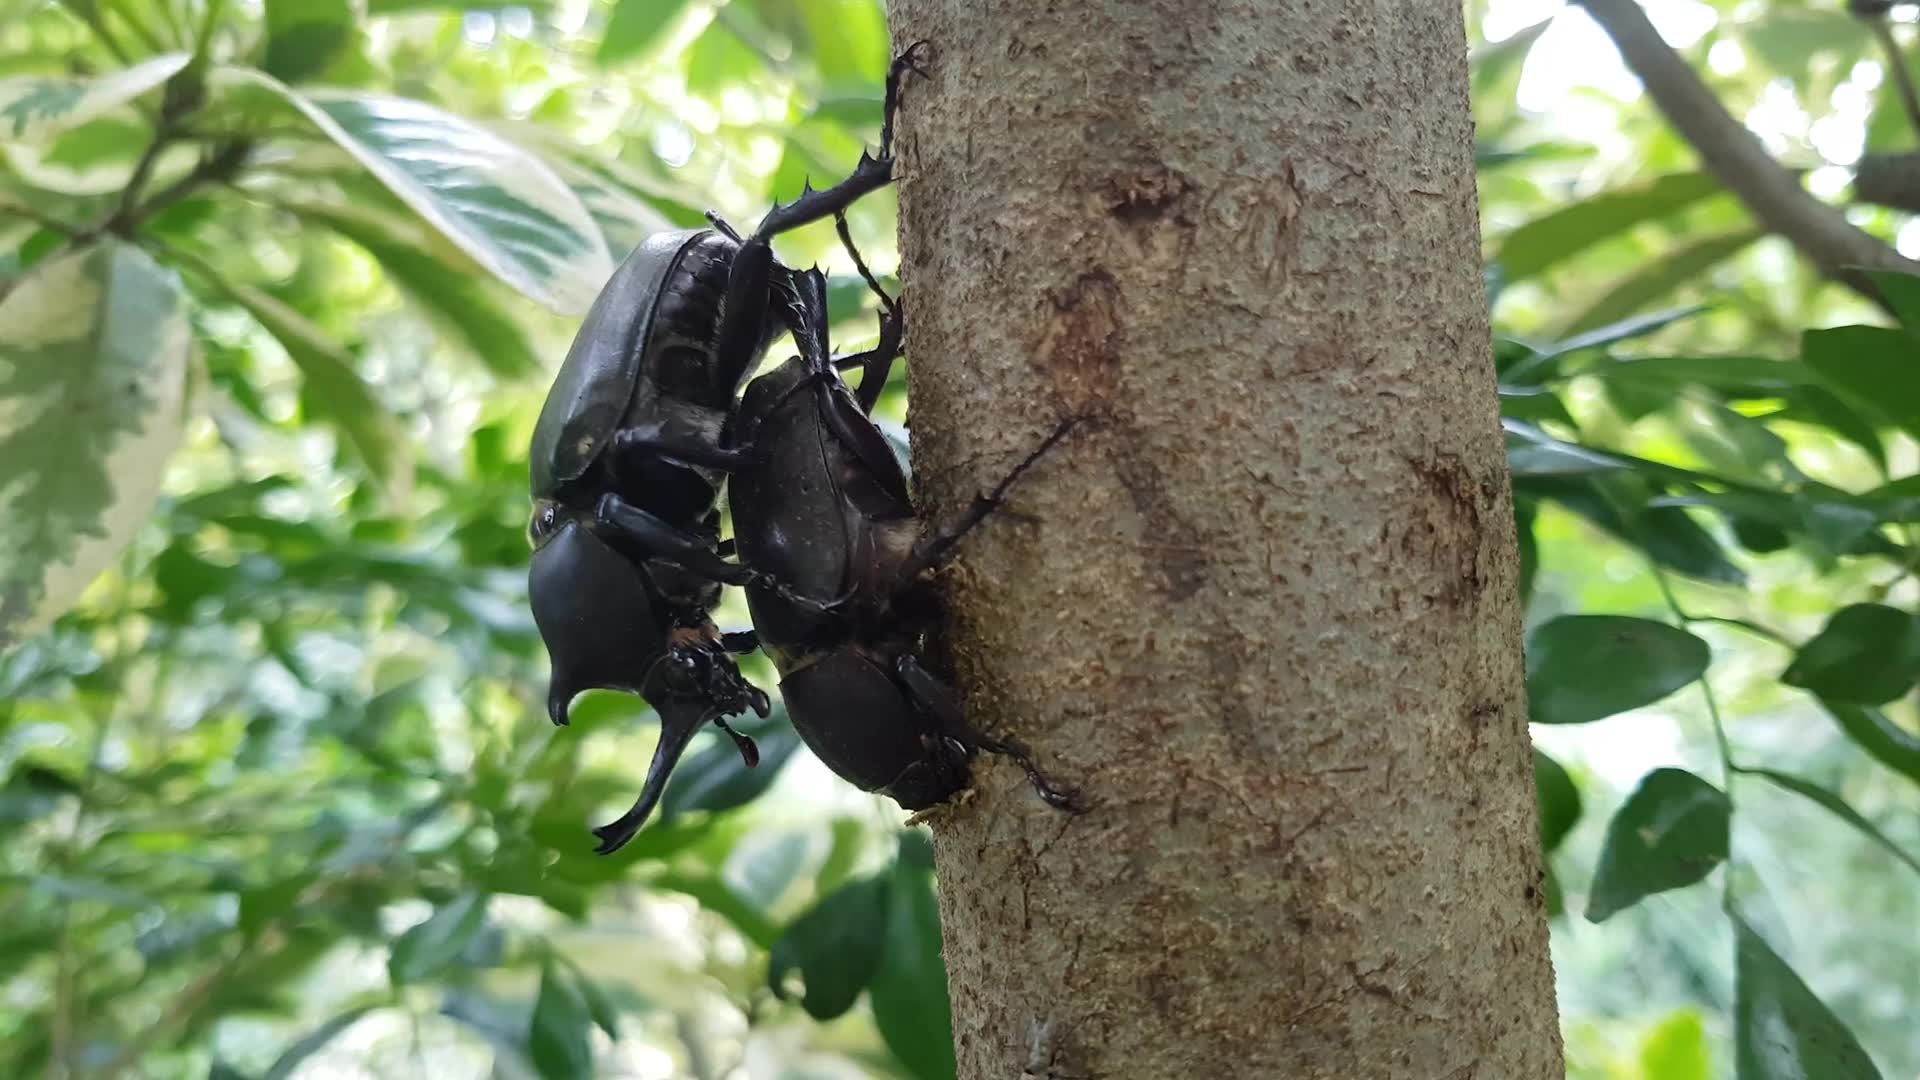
{"x": 1781, "y": 1031}
{"x": 716, "y": 779}
{"x": 909, "y": 987}
{"x": 304, "y": 36}
{"x": 1671, "y": 832}
{"x": 606, "y": 1015}
{"x": 559, "y": 1034}
{"x": 1883, "y": 740}
{"x": 714, "y": 895}
{"x": 1558, "y": 235}
{"x": 835, "y": 945}
{"x": 1586, "y": 667}
{"x": 437, "y": 942}
{"x": 35, "y": 108}
{"x": 1525, "y": 512}
{"x": 1676, "y": 1049}
{"x": 1902, "y": 293}
{"x": 634, "y": 26}
{"x": 1867, "y": 654}
{"x": 95, "y": 386}
{"x": 1558, "y": 799}
{"x": 313, "y": 1042}
{"x": 1836, "y": 806}
{"x": 501, "y": 205}
{"x": 1870, "y": 366}
{"x": 335, "y": 390}
{"x": 1737, "y": 376}
{"x": 1658, "y": 279}
{"x": 459, "y": 305}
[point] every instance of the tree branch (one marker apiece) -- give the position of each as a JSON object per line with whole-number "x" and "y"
{"x": 1891, "y": 180}
{"x": 1732, "y": 153}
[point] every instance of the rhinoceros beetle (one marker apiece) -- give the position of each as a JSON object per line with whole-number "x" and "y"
{"x": 824, "y": 508}
{"x": 625, "y": 471}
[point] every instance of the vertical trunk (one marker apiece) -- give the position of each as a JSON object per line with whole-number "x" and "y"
{"x": 1262, "y": 612}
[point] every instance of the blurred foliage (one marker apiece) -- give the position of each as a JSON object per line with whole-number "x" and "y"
{"x": 276, "y": 793}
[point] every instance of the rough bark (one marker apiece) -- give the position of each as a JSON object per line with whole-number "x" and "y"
{"x": 1262, "y": 612}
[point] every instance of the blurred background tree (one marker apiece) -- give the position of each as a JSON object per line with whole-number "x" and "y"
{"x": 279, "y": 286}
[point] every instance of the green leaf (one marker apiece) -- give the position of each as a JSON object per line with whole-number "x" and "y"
{"x": 1561, "y": 234}
{"x": 1586, "y": 667}
{"x": 439, "y": 941}
{"x": 606, "y": 1015}
{"x": 716, "y": 779}
{"x": 501, "y": 205}
{"x": 1781, "y": 1031}
{"x": 96, "y": 377}
{"x": 1867, "y": 654}
{"x": 1524, "y": 513}
{"x": 1883, "y": 740}
{"x": 559, "y": 1038}
{"x": 1628, "y": 329}
{"x": 304, "y": 36}
{"x": 714, "y": 895}
{"x": 909, "y": 987}
{"x": 1558, "y": 798}
{"x": 1659, "y": 278}
{"x": 634, "y": 26}
{"x": 1676, "y": 1049}
{"x": 1671, "y": 832}
{"x": 1901, "y": 291}
{"x": 1836, "y": 806}
{"x": 836, "y": 946}
{"x": 459, "y": 305}
{"x": 335, "y": 390}
{"x": 1872, "y": 366}
{"x": 34, "y": 108}
{"x": 1737, "y": 376}
{"x": 312, "y": 1042}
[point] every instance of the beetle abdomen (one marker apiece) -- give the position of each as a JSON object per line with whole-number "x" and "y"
{"x": 858, "y": 720}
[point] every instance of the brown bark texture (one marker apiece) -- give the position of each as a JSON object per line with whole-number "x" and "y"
{"x": 1261, "y": 608}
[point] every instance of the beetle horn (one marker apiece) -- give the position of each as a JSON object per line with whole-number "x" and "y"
{"x": 679, "y": 721}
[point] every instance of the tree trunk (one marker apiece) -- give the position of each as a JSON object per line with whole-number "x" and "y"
{"x": 1261, "y": 610}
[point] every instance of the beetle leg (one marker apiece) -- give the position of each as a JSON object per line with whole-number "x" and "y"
{"x": 933, "y": 551}
{"x": 686, "y": 449}
{"x": 876, "y": 363}
{"x": 719, "y": 223}
{"x": 932, "y": 695}
{"x": 739, "y": 642}
{"x": 661, "y": 539}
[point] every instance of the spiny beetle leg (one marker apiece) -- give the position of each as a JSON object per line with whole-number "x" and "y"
{"x": 876, "y": 363}
{"x": 689, "y": 449}
{"x": 932, "y": 695}
{"x": 935, "y": 550}
{"x": 662, "y": 539}
{"x": 910, "y": 59}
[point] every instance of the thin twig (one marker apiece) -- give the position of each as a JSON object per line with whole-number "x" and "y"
{"x": 1897, "y": 64}
{"x": 1732, "y": 153}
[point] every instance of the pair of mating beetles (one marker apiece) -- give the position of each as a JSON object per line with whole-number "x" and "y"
{"x": 639, "y": 432}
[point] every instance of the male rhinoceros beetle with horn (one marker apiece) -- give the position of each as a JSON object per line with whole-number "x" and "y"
{"x": 626, "y": 465}
{"x": 824, "y": 508}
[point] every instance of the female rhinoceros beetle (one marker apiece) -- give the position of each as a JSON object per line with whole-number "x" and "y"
{"x": 824, "y": 508}
{"x": 625, "y": 469}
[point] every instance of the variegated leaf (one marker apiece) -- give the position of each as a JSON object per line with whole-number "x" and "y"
{"x": 35, "y": 107}
{"x": 95, "y": 354}
{"x": 498, "y": 203}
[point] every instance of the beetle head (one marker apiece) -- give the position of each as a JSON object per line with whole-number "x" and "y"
{"x": 593, "y": 608}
